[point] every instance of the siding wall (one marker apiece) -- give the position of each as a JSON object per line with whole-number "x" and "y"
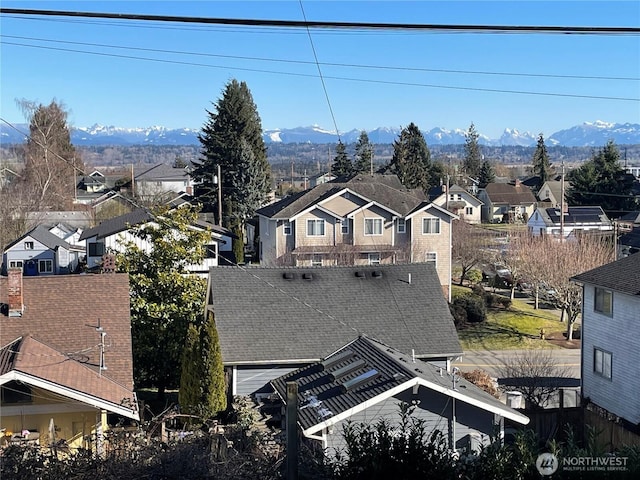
{"x": 619, "y": 335}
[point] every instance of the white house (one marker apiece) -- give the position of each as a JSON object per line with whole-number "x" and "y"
{"x": 158, "y": 179}
{"x": 459, "y": 201}
{"x": 547, "y": 221}
{"x": 611, "y": 337}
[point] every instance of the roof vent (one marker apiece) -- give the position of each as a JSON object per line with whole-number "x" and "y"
{"x": 288, "y": 275}
{"x": 307, "y": 276}
{"x": 376, "y": 273}
{"x": 336, "y": 359}
{"x": 341, "y": 372}
{"x": 360, "y": 274}
{"x": 359, "y": 381}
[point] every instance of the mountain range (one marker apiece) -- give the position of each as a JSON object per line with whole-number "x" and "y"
{"x": 585, "y": 135}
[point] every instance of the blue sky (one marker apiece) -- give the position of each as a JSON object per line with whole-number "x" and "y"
{"x": 378, "y": 79}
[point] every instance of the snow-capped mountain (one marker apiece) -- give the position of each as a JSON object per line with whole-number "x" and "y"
{"x": 588, "y": 134}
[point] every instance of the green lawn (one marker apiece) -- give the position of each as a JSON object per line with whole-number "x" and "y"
{"x": 516, "y": 328}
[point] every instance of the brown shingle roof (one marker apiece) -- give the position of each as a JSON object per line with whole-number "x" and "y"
{"x": 62, "y": 312}
{"x": 510, "y": 194}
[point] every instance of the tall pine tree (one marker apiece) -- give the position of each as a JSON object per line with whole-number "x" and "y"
{"x": 411, "y": 160}
{"x": 232, "y": 138}
{"x": 472, "y": 153}
{"x": 342, "y": 166}
{"x": 363, "y": 155}
{"x": 540, "y": 164}
{"x": 487, "y": 174}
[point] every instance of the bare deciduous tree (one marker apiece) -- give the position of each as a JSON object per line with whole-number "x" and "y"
{"x": 468, "y": 246}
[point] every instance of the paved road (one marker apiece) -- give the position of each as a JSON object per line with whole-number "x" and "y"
{"x": 490, "y": 361}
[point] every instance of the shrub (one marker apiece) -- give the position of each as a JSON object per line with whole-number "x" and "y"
{"x": 459, "y": 314}
{"x": 473, "y": 305}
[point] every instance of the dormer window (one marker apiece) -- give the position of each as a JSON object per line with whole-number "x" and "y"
{"x": 28, "y": 245}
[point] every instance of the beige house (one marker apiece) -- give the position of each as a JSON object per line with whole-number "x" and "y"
{"x": 368, "y": 220}
{"x": 506, "y": 203}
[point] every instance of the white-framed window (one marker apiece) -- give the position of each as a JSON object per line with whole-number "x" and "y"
{"x": 286, "y": 228}
{"x": 316, "y": 260}
{"x": 315, "y": 227}
{"x": 431, "y": 257}
{"x": 15, "y": 264}
{"x": 430, "y": 226}
{"x": 374, "y": 259}
{"x": 28, "y": 245}
{"x": 468, "y": 211}
{"x": 602, "y": 362}
{"x": 96, "y": 249}
{"x": 402, "y": 225}
{"x": 45, "y": 266}
{"x": 603, "y": 301}
{"x": 344, "y": 226}
{"x": 373, "y": 226}
{"x": 452, "y": 197}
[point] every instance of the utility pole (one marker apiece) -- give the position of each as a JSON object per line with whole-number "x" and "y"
{"x": 219, "y": 196}
{"x": 562, "y": 204}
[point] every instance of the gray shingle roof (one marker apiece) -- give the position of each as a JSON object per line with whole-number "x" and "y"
{"x": 118, "y": 224}
{"x": 322, "y": 396}
{"x": 45, "y": 237}
{"x": 263, "y": 317}
{"x": 622, "y": 275}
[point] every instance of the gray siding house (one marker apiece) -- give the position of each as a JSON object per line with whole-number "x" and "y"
{"x": 273, "y": 320}
{"x": 611, "y": 337}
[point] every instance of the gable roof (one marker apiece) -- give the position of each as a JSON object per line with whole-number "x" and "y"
{"x": 292, "y": 315}
{"x": 118, "y": 224}
{"x": 575, "y": 216}
{"x": 35, "y": 363}
{"x": 162, "y": 172}
{"x": 383, "y": 189}
{"x": 44, "y": 236}
{"x": 509, "y": 194}
{"x": 63, "y": 311}
{"x": 326, "y": 398}
{"x": 621, "y": 275}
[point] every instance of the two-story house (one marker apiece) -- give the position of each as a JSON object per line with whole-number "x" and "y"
{"x": 156, "y": 180}
{"x": 503, "y": 202}
{"x": 367, "y": 220}
{"x": 548, "y": 221}
{"x": 457, "y": 200}
{"x": 611, "y": 338}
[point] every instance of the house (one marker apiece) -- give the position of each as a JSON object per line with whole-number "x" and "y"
{"x": 273, "y": 320}
{"x": 458, "y": 201}
{"x": 111, "y": 204}
{"x": 551, "y": 192}
{"x": 151, "y": 181}
{"x": 367, "y": 220}
{"x": 628, "y": 233}
{"x": 319, "y": 178}
{"x": 111, "y": 236}
{"x": 547, "y": 221}
{"x": 66, "y": 369}
{"x": 610, "y": 338}
{"x": 506, "y": 203}
{"x": 366, "y": 380}
{"x": 40, "y": 252}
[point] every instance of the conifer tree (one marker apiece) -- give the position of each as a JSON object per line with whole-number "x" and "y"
{"x": 487, "y": 174}
{"x": 472, "y": 153}
{"x": 342, "y": 166}
{"x": 214, "y": 397}
{"x": 363, "y": 154}
{"x": 541, "y": 165}
{"x": 190, "y": 373}
{"x": 411, "y": 160}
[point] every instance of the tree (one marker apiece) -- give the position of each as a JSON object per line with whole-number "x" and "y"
{"x": 363, "y": 155}
{"x": 342, "y": 166}
{"x": 468, "y": 243}
{"x": 486, "y": 175}
{"x": 540, "y": 164}
{"x": 602, "y": 181}
{"x": 472, "y": 154}
{"x": 50, "y": 160}
{"x": 190, "y": 372}
{"x": 165, "y": 298}
{"x": 232, "y": 138}
{"x": 411, "y": 160}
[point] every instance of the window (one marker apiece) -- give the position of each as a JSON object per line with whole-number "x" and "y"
{"x": 316, "y": 260}
{"x": 430, "y": 226}
{"x": 452, "y": 197}
{"x": 96, "y": 249}
{"x": 315, "y": 228}
{"x": 15, "y": 264}
{"x": 468, "y": 211}
{"x": 373, "y": 226}
{"x": 28, "y": 245}
{"x": 344, "y": 226}
{"x": 431, "y": 257}
{"x": 211, "y": 250}
{"x": 286, "y": 228}
{"x": 45, "y": 266}
{"x": 604, "y": 301}
{"x": 602, "y": 362}
{"x": 402, "y": 225}
{"x": 374, "y": 259}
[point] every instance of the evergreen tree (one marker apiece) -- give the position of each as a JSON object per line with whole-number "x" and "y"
{"x": 214, "y": 397}
{"x": 540, "y": 163}
{"x": 487, "y": 174}
{"x": 190, "y": 373}
{"x": 342, "y": 166}
{"x": 602, "y": 181}
{"x": 363, "y": 154}
{"x": 411, "y": 160}
{"x": 232, "y": 138}
{"x": 472, "y": 153}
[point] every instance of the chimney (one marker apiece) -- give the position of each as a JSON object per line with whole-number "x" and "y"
{"x": 14, "y": 290}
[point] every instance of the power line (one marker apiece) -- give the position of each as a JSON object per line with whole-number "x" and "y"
{"x": 330, "y": 64}
{"x": 385, "y": 82}
{"x": 332, "y": 24}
